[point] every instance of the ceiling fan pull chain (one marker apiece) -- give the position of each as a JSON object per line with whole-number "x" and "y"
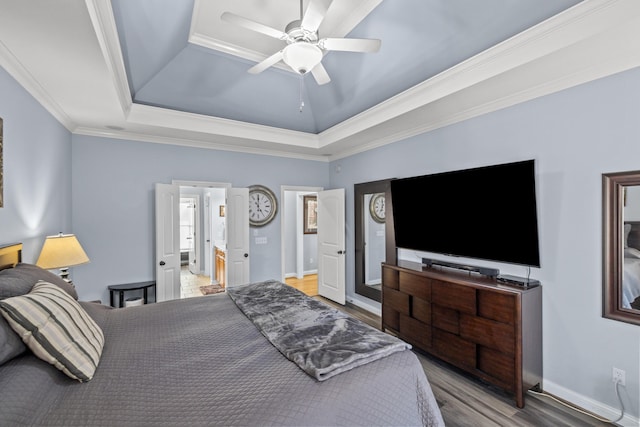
{"x": 301, "y": 89}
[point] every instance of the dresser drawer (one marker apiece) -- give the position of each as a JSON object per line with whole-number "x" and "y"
{"x": 446, "y": 319}
{"x": 496, "y": 335}
{"x": 454, "y": 349}
{"x": 390, "y": 278}
{"x": 390, "y": 319}
{"x": 414, "y": 285}
{"x": 497, "y": 306}
{"x": 396, "y": 300}
{"x": 457, "y": 297}
{"x": 497, "y": 365}
{"x": 415, "y": 331}
{"x": 421, "y": 310}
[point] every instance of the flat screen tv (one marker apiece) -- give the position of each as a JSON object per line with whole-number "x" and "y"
{"x": 485, "y": 213}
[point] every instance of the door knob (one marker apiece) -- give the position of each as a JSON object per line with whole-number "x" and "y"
{"x": 246, "y": 255}
{"x": 162, "y": 263}
{"x": 340, "y": 252}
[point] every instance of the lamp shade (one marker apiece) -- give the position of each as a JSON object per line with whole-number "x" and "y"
{"x": 302, "y": 56}
{"x": 61, "y": 251}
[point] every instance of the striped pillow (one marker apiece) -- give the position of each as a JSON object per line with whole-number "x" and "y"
{"x": 57, "y": 329}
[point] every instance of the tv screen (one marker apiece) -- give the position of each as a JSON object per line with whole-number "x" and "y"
{"x": 486, "y": 213}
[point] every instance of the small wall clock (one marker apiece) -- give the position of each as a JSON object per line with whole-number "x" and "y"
{"x": 263, "y": 205}
{"x": 376, "y": 208}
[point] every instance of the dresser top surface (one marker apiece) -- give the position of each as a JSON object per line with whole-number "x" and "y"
{"x": 459, "y": 276}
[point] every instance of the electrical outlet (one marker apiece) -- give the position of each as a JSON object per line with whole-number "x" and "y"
{"x": 618, "y": 376}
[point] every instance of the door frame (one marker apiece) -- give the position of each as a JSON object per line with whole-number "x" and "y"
{"x": 205, "y": 184}
{"x": 284, "y": 220}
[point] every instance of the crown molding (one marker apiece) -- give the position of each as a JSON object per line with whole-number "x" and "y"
{"x": 20, "y": 73}
{"x": 194, "y": 143}
{"x": 156, "y": 116}
{"x": 104, "y": 25}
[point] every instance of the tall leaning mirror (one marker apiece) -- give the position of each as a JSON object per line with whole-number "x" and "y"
{"x": 621, "y": 246}
{"x": 374, "y": 238}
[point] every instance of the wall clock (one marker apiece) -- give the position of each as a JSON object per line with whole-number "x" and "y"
{"x": 376, "y": 208}
{"x": 263, "y": 205}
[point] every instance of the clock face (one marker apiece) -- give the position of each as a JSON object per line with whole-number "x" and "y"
{"x": 377, "y": 208}
{"x": 262, "y": 205}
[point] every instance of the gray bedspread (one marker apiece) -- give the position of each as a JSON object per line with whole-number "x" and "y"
{"x": 200, "y": 362}
{"x": 321, "y": 340}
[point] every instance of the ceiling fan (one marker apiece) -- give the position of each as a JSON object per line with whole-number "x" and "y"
{"x": 305, "y": 49}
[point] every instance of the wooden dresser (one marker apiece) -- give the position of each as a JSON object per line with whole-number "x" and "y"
{"x": 490, "y": 330}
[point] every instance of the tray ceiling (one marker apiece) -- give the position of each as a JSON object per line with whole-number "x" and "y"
{"x": 174, "y": 72}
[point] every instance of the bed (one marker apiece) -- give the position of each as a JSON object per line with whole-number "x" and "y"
{"x": 202, "y": 361}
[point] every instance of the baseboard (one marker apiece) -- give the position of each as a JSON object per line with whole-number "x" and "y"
{"x": 363, "y": 305}
{"x": 290, "y": 275}
{"x": 589, "y": 404}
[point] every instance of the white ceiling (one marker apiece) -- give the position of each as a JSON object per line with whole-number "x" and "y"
{"x": 69, "y": 56}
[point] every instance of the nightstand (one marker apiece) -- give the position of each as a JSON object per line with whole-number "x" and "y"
{"x": 121, "y": 289}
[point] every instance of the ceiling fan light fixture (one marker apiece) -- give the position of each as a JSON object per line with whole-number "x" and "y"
{"x": 302, "y": 56}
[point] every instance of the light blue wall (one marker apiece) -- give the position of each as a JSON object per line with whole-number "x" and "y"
{"x": 37, "y": 173}
{"x": 575, "y": 136}
{"x": 113, "y": 203}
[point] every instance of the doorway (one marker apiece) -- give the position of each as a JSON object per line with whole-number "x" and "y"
{"x": 202, "y": 238}
{"x": 299, "y": 248}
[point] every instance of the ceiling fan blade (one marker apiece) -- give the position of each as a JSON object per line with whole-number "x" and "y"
{"x": 351, "y": 45}
{"x": 261, "y": 66}
{"x": 320, "y": 74}
{"x": 314, "y": 14}
{"x": 254, "y": 26}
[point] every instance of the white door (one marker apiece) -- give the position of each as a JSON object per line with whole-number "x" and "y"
{"x": 331, "y": 245}
{"x": 237, "y": 260}
{"x": 167, "y": 242}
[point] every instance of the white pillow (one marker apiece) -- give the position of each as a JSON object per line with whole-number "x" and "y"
{"x": 631, "y": 253}
{"x": 57, "y": 329}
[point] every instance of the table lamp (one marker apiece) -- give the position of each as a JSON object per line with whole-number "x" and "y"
{"x": 61, "y": 251}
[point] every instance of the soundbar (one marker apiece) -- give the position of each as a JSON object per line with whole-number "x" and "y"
{"x": 517, "y": 281}
{"x": 485, "y": 271}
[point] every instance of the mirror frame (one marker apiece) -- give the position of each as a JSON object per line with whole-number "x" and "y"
{"x": 359, "y": 190}
{"x": 613, "y": 185}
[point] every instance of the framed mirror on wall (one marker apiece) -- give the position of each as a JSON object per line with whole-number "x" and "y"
{"x": 621, "y": 246}
{"x": 374, "y": 237}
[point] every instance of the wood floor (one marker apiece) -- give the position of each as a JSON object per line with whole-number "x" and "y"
{"x": 308, "y": 284}
{"x": 466, "y": 401}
